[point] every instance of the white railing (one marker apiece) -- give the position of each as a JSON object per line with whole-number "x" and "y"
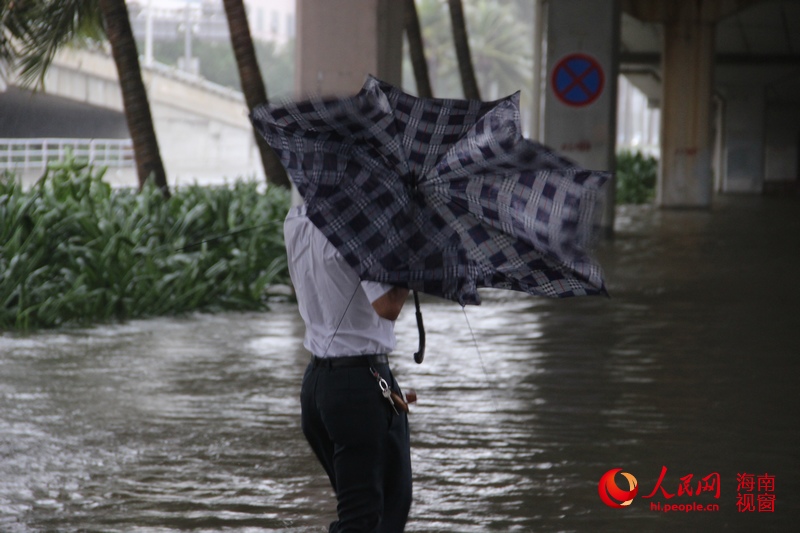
{"x": 35, "y": 154}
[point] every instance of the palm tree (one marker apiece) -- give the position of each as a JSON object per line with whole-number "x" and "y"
{"x": 416, "y": 49}
{"x": 500, "y": 45}
{"x": 14, "y": 21}
{"x": 134, "y": 96}
{"x": 461, "y": 42}
{"x": 32, "y": 33}
{"x": 255, "y": 92}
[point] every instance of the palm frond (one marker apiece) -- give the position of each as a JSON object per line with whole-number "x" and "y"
{"x": 15, "y": 18}
{"x": 34, "y": 31}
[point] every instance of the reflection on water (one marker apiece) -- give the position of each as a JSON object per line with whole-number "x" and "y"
{"x": 193, "y": 424}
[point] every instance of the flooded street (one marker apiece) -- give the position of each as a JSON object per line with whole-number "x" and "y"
{"x": 192, "y": 424}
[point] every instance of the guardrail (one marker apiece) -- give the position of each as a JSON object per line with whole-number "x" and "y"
{"x": 35, "y": 154}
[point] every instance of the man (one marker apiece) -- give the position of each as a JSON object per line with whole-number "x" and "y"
{"x": 361, "y": 441}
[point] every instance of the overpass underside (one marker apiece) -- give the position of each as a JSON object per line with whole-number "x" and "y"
{"x": 725, "y": 74}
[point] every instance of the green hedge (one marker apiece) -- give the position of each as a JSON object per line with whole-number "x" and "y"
{"x": 75, "y": 251}
{"x": 636, "y": 178}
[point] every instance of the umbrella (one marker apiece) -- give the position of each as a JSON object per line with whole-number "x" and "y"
{"x": 441, "y": 196}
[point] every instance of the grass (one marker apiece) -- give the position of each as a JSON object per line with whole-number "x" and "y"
{"x": 75, "y": 251}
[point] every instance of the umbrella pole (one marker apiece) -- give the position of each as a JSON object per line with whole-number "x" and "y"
{"x": 420, "y": 355}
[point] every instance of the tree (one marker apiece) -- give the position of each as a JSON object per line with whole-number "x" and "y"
{"x": 134, "y": 96}
{"x": 461, "y": 42}
{"x": 32, "y": 33}
{"x": 416, "y": 49}
{"x": 255, "y": 92}
{"x": 14, "y": 22}
{"x": 500, "y": 46}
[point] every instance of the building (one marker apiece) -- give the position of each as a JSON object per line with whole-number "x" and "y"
{"x": 270, "y": 20}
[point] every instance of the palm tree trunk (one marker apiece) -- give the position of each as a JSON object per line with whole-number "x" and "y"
{"x": 255, "y": 93}
{"x": 461, "y": 41}
{"x": 134, "y": 95}
{"x": 416, "y": 49}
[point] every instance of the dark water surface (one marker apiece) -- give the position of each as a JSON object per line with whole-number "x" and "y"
{"x": 192, "y": 424}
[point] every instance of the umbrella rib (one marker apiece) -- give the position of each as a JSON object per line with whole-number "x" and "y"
{"x": 480, "y": 358}
{"x": 341, "y": 319}
{"x": 450, "y": 186}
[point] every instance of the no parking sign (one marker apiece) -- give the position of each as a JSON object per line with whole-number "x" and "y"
{"x": 578, "y": 80}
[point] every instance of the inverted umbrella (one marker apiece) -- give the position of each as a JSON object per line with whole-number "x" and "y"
{"x": 441, "y": 196}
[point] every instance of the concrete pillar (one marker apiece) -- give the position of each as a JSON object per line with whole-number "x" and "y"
{"x": 685, "y": 177}
{"x": 340, "y": 42}
{"x": 581, "y": 95}
{"x": 687, "y": 107}
{"x": 782, "y": 139}
{"x": 743, "y": 150}
{"x": 538, "y": 68}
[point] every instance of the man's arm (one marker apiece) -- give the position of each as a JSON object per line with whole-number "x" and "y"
{"x": 389, "y": 305}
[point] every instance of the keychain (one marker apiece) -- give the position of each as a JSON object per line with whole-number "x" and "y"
{"x": 394, "y": 399}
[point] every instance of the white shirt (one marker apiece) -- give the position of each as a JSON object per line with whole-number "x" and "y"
{"x": 335, "y": 305}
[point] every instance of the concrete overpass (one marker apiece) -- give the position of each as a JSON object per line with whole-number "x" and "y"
{"x": 726, "y": 74}
{"x": 202, "y": 128}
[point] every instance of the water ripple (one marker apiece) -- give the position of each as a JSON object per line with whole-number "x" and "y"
{"x": 192, "y": 423}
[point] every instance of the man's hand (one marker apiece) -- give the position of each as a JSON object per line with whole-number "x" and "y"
{"x": 389, "y": 305}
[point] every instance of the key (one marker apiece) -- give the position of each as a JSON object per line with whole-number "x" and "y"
{"x": 385, "y": 390}
{"x": 387, "y": 393}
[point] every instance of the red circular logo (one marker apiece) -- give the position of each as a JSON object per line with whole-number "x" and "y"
{"x": 611, "y": 494}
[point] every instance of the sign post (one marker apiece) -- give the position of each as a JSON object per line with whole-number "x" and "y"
{"x": 581, "y": 95}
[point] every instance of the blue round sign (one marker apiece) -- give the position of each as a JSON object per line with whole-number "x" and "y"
{"x": 578, "y": 80}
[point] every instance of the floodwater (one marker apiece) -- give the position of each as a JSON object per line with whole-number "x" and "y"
{"x": 192, "y": 424}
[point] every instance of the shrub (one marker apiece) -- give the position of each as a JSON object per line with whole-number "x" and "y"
{"x": 636, "y": 178}
{"x": 75, "y": 251}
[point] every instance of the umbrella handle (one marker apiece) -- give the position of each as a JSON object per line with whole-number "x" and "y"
{"x": 420, "y": 355}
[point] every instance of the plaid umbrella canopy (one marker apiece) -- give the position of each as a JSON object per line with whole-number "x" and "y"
{"x": 441, "y": 196}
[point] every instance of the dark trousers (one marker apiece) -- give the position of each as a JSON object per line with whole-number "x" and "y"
{"x": 362, "y": 444}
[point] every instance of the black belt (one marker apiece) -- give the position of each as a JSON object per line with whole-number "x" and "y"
{"x": 351, "y": 360}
